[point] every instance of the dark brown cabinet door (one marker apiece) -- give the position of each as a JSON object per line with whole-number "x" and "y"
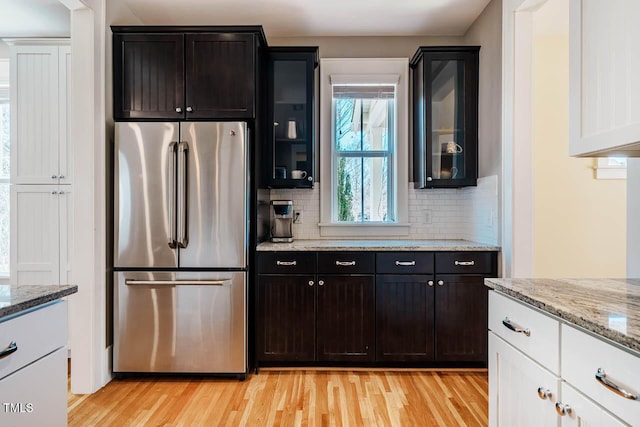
{"x": 345, "y": 319}
{"x": 404, "y": 318}
{"x": 461, "y": 318}
{"x": 286, "y": 318}
{"x": 220, "y": 75}
{"x": 148, "y": 76}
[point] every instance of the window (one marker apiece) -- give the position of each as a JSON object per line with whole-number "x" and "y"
{"x": 611, "y": 168}
{"x": 363, "y": 147}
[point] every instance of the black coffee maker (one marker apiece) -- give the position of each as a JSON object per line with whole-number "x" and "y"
{"x": 281, "y": 221}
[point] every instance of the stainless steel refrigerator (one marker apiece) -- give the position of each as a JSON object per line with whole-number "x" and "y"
{"x": 180, "y": 247}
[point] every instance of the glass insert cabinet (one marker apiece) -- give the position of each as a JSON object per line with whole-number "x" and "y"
{"x": 291, "y": 74}
{"x": 445, "y": 116}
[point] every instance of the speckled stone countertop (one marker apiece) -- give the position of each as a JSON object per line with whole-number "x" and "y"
{"x": 607, "y": 307}
{"x": 377, "y": 245}
{"x": 14, "y": 299}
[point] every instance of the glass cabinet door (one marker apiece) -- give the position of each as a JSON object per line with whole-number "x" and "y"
{"x": 292, "y": 111}
{"x": 445, "y": 116}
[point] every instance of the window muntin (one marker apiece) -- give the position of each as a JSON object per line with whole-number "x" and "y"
{"x": 363, "y": 145}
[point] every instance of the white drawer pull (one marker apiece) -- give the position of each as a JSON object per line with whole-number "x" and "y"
{"x": 601, "y": 377}
{"x": 345, "y": 263}
{"x": 562, "y": 410}
{"x": 510, "y": 325}
{"x": 405, "y": 263}
{"x": 11, "y": 348}
{"x": 286, "y": 263}
{"x": 465, "y": 263}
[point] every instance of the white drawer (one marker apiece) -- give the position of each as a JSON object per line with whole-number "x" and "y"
{"x": 36, "y": 395}
{"x": 36, "y": 334}
{"x": 542, "y": 343}
{"x": 583, "y": 355}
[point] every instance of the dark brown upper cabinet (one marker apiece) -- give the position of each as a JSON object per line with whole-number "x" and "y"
{"x": 445, "y": 116}
{"x": 185, "y": 73}
{"x": 291, "y": 112}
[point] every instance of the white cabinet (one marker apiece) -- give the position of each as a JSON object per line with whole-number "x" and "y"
{"x": 41, "y": 169}
{"x": 524, "y": 389}
{"x": 42, "y": 223}
{"x": 40, "y": 88}
{"x": 604, "y": 85}
{"x": 33, "y": 378}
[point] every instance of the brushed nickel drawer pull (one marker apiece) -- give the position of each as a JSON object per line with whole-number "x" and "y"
{"x": 562, "y": 409}
{"x": 544, "y": 393}
{"x": 286, "y": 263}
{"x": 508, "y": 324}
{"x": 345, "y": 263}
{"x": 405, "y": 263}
{"x": 602, "y": 379}
{"x": 465, "y": 263}
{"x": 195, "y": 282}
{"x": 11, "y": 348}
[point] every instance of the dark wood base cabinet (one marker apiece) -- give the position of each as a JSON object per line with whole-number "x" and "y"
{"x": 386, "y": 308}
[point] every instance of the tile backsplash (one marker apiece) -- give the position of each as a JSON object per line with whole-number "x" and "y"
{"x": 468, "y": 213}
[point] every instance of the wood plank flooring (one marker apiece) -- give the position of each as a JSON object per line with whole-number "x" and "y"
{"x": 305, "y": 397}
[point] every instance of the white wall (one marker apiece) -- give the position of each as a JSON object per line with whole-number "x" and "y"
{"x": 633, "y": 213}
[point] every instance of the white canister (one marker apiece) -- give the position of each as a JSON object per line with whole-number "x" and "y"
{"x": 291, "y": 130}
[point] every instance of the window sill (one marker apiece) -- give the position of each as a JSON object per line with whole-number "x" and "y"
{"x": 363, "y": 230}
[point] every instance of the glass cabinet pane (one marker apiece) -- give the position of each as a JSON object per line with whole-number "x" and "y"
{"x": 447, "y": 119}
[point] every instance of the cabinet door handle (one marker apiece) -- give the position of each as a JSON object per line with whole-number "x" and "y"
{"x": 429, "y": 179}
{"x": 430, "y": 283}
{"x": 189, "y": 109}
{"x": 54, "y": 176}
{"x": 310, "y": 282}
{"x": 11, "y": 348}
{"x": 320, "y": 282}
{"x": 508, "y": 324}
{"x": 440, "y": 282}
{"x": 405, "y": 263}
{"x": 562, "y": 410}
{"x": 61, "y": 177}
{"x": 602, "y": 379}
{"x": 544, "y": 393}
{"x": 178, "y": 110}
{"x": 345, "y": 263}
{"x": 286, "y": 263}
{"x": 465, "y": 263}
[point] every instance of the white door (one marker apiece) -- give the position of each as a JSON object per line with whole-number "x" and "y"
{"x": 35, "y": 238}
{"x": 582, "y": 412}
{"x": 34, "y": 115}
{"x": 527, "y": 391}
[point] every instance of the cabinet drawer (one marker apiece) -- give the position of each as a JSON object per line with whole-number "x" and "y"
{"x": 36, "y": 334}
{"x": 541, "y": 342}
{"x": 465, "y": 262}
{"x": 286, "y": 263}
{"x": 404, "y": 262}
{"x": 583, "y": 355}
{"x": 346, "y": 262}
{"x": 37, "y": 394}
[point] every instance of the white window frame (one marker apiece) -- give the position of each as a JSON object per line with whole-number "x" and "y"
{"x": 605, "y": 169}
{"x": 4, "y": 99}
{"x": 364, "y": 71}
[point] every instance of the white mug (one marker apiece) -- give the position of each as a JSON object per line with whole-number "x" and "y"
{"x": 452, "y": 147}
{"x": 298, "y": 174}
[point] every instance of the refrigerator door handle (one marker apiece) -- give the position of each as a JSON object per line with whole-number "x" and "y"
{"x": 183, "y": 229}
{"x": 173, "y": 154}
{"x": 221, "y": 282}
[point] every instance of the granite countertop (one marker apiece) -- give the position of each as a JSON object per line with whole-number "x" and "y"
{"x": 14, "y": 299}
{"x": 377, "y": 245}
{"x": 607, "y": 307}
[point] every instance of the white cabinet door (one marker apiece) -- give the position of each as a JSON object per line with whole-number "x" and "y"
{"x": 516, "y": 379}
{"x": 582, "y": 412}
{"x": 65, "y": 166}
{"x": 604, "y": 68}
{"x": 34, "y": 114}
{"x": 40, "y": 225}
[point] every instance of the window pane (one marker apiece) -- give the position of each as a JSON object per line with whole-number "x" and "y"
{"x": 363, "y": 189}
{"x": 5, "y": 133}
{"x": 4, "y": 229}
{"x": 362, "y": 119}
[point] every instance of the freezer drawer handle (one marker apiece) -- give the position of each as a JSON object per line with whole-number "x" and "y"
{"x": 405, "y": 263}
{"x": 11, "y": 348}
{"x": 286, "y": 263}
{"x": 221, "y": 282}
{"x": 602, "y": 379}
{"x": 465, "y": 263}
{"x": 508, "y": 324}
{"x": 345, "y": 263}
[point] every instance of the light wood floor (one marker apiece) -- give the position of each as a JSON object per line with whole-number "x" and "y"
{"x": 307, "y": 397}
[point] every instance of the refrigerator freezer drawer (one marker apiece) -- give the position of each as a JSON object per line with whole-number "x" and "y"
{"x": 186, "y": 322}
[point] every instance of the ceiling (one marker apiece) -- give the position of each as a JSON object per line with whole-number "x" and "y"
{"x": 280, "y": 18}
